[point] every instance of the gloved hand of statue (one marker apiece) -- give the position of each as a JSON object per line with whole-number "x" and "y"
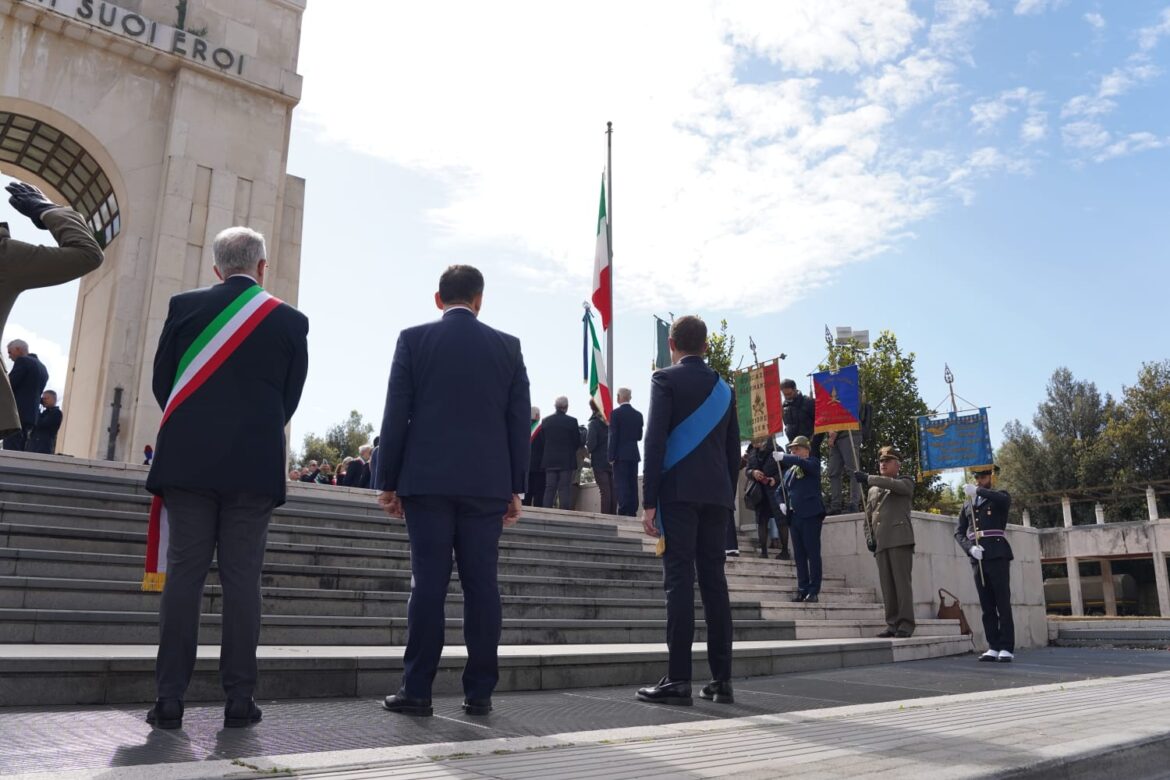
{"x": 976, "y": 552}
{"x": 29, "y": 201}
{"x": 970, "y": 490}
{"x": 861, "y": 477}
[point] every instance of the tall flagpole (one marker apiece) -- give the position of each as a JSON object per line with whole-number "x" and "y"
{"x": 609, "y": 234}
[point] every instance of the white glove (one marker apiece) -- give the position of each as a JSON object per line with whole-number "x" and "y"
{"x": 977, "y": 552}
{"x": 777, "y": 456}
{"x": 783, "y": 508}
{"x": 970, "y": 490}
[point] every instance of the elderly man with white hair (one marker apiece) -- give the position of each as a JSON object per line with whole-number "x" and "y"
{"x": 562, "y": 439}
{"x": 228, "y": 374}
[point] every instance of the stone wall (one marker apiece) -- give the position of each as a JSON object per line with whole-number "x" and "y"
{"x": 939, "y": 562}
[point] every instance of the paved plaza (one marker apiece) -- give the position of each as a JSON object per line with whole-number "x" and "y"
{"x": 945, "y": 717}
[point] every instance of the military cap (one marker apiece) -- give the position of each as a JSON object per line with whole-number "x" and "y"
{"x": 986, "y": 472}
{"x": 800, "y": 441}
{"x": 889, "y": 453}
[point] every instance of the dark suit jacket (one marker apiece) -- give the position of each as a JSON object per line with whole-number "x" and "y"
{"x": 802, "y": 482}
{"x": 456, "y": 383}
{"x": 597, "y": 442}
{"x": 625, "y": 431}
{"x": 44, "y": 433}
{"x": 28, "y": 377}
{"x": 992, "y": 515}
{"x": 356, "y": 472}
{"x": 708, "y": 474}
{"x": 562, "y": 439}
{"x": 230, "y": 432}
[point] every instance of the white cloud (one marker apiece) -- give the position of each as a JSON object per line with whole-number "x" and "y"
{"x": 53, "y": 355}
{"x": 1148, "y": 37}
{"x": 784, "y": 177}
{"x": 1084, "y": 134}
{"x": 987, "y": 115}
{"x": 1095, "y": 20}
{"x": 1131, "y": 144}
{"x": 1035, "y": 127}
{"x": 1030, "y": 7}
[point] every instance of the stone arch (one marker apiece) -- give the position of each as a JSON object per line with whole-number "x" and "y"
{"x": 49, "y": 149}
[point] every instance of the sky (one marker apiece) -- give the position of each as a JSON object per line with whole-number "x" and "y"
{"x": 985, "y": 179}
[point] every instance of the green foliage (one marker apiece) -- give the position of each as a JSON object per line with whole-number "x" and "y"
{"x": 721, "y": 351}
{"x": 889, "y": 383}
{"x": 1136, "y": 439}
{"x": 341, "y": 440}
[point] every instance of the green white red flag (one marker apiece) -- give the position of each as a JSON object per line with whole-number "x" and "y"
{"x": 599, "y": 389}
{"x": 602, "y": 286}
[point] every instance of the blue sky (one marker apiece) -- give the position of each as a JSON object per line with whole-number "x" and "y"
{"x": 987, "y": 180}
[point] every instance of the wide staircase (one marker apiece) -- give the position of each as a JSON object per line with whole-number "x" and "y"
{"x": 582, "y": 599}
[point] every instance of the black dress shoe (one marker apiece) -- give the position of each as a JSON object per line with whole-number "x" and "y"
{"x": 240, "y": 713}
{"x": 887, "y": 634}
{"x": 405, "y": 705}
{"x": 668, "y": 692}
{"x": 799, "y": 597}
{"x": 782, "y": 555}
{"x": 718, "y": 691}
{"x": 811, "y": 599}
{"x": 477, "y": 706}
{"x": 903, "y": 634}
{"x": 763, "y": 553}
{"x": 166, "y": 714}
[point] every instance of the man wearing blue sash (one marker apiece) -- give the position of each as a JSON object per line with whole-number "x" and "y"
{"x": 689, "y": 478}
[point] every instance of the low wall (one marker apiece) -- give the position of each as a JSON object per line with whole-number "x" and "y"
{"x": 939, "y": 562}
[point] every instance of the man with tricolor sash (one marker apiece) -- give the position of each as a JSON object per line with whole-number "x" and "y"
{"x": 228, "y": 374}
{"x": 689, "y": 479}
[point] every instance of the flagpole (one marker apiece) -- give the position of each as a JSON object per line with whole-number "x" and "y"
{"x": 609, "y": 235}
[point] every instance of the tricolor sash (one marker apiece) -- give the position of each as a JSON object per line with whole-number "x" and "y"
{"x": 535, "y": 429}
{"x": 688, "y": 435}
{"x": 207, "y": 353}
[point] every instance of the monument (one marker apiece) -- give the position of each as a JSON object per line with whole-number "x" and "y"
{"x": 163, "y": 124}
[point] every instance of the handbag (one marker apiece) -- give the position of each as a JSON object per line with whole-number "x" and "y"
{"x": 952, "y": 611}
{"x": 754, "y": 495}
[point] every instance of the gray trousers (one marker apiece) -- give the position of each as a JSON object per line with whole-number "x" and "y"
{"x": 843, "y": 461}
{"x": 558, "y": 483}
{"x": 233, "y": 527}
{"x": 895, "y": 567}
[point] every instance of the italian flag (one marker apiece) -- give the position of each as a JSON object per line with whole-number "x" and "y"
{"x": 602, "y": 287}
{"x": 598, "y": 389}
{"x": 758, "y": 403}
{"x": 207, "y": 353}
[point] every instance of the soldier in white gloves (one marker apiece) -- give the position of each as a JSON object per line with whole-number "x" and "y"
{"x": 982, "y": 534}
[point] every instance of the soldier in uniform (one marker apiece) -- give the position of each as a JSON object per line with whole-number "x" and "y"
{"x": 887, "y": 508}
{"x": 982, "y": 524}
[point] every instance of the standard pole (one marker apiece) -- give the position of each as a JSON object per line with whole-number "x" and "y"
{"x": 609, "y": 234}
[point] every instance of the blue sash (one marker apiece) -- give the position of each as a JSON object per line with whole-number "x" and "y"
{"x": 690, "y": 433}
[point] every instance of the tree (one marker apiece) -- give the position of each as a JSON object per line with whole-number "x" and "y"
{"x": 1136, "y": 441}
{"x": 1062, "y": 453}
{"x": 721, "y": 352}
{"x": 889, "y": 384}
{"x": 342, "y": 440}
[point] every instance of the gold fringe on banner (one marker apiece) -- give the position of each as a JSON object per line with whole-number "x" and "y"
{"x": 153, "y": 581}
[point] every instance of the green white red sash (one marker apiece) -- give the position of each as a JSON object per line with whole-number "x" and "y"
{"x": 535, "y": 429}
{"x": 207, "y": 353}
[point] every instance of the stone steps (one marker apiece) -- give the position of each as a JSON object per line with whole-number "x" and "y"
{"x": 118, "y": 674}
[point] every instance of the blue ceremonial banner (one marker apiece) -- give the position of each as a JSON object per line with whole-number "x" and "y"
{"x": 953, "y": 441}
{"x": 838, "y": 400}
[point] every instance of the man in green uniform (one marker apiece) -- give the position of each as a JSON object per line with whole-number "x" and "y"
{"x": 887, "y": 509}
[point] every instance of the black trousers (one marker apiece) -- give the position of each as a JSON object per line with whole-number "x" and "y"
{"x": 995, "y": 597}
{"x": 695, "y": 535}
{"x": 558, "y": 484}
{"x": 625, "y": 483}
{"x": 469, "y": 527}
{"x": 806, "y": 550}
{"x": 17, "y": 441}
{"x": 535, "y": 494}
{"x": 605, "y": 489}
{"x": 764, "y": 516}
{"x": 233, "y": 527}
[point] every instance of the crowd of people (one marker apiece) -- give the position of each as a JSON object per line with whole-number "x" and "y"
{"x": 38, "y": 411}
{"x": 355, "y": 471}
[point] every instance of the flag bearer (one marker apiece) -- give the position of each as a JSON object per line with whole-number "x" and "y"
{"x": 982, "y": 534}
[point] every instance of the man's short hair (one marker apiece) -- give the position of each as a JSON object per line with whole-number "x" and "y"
{"x": 19, "y": 344}
{"x": 52, "y": 393}
{"x": 561, "y": 404}
{"x": 460, "y": 284}
{"x": 238, "y": 250}
{"x": 689, "y": 334}
{"x": 624, "y": 393}
{"x": 536, "y": 413}
{"x": 788, "y": 384}
{"x": 365, "y": 448}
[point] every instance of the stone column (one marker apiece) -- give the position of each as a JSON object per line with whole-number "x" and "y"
{"x": 1027, "y": 518}
{"x": 1160, "y": 577}
{"x": 1107, "y": 588}
{"x": 1099, "y": 512}
{"x": 1074, "y": 573}
{"x": 1152, "y": 503}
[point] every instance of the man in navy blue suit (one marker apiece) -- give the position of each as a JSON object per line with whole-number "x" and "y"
{"x": 806, "y": 514}
{"x": 689, "y": 481}
{"x": 625, "y": 431}
{"x": 455, "y": 380}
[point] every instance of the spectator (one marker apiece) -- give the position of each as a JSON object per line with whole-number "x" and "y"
{"x": 294, "y": 475}
{"x": 364, "y": 452}
{"x": 375, "y": 480}
{"x": 761, "y": 468}
{"x": 800, "y": 416}
{"x": 309, "y": 473}
{"x": 562, "y": 439}
{"x": 535, "y": 494}
{"x": 148, "y": 456}
{"x": 325, "y": 475}
{"x": 343, "y": 472}
{"x": 43, "y": 438}
{"x": 597, "y": 442}
{"x": 28, "y": 378}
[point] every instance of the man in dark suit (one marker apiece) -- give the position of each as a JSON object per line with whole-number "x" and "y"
{"x": 800, "y": 416}
{"x": 625, "y": 431}
{"x": 28, "y": 377}
{"x": 806, "y": 514}
{"x": 692, "y": 462}
{"x": 455, "y": 380}
{"x": 43, "y": 438}
{"x": 562, "y": 439}
{"x": 237, "y": 416}
{"x": 535, "y": 495}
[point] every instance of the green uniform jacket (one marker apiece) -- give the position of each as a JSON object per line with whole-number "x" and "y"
{"x": 27, "y": 266}
{"x": 888, "y": 509}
